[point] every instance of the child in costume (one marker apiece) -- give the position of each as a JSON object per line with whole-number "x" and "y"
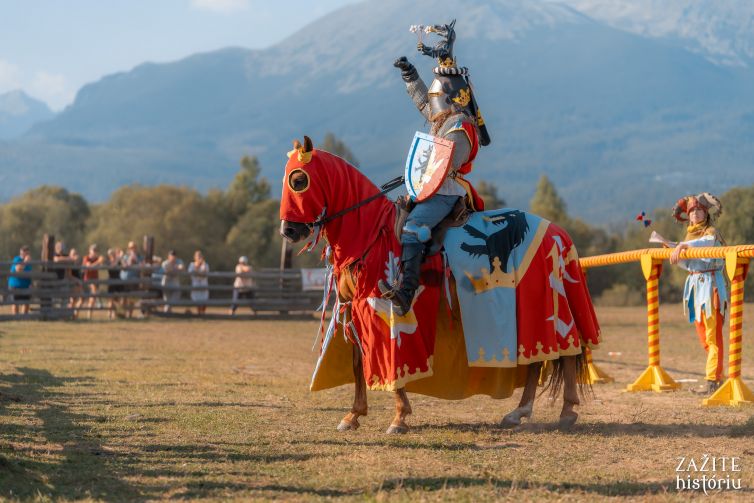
{"x": 705, "y": 294}
{"x": 450, "y": 108}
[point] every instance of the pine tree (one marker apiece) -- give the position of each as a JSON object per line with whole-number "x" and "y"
{"x": 488, "y": 192}
{"x": 547, "y": 203}
{"x": 247, "y": 187}
{"x": 335, "y": 146}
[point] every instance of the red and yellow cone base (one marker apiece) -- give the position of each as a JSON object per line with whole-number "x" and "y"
{"x": 733, "y": 392}
{"x": 597, "y": 375}
{"x": 654, "y": 378}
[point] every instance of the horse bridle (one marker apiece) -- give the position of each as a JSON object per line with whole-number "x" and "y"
{"x": 386, "y": 187}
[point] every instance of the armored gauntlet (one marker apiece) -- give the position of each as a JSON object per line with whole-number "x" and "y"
{"x": 408, "y": 71}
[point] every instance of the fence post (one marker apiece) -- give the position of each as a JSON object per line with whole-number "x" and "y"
{"x": 286, "y": 261}
{"x": 734, "y": 391}
{"x": 654, "y": 378}
{"x": 47, "y": 255}
{"x": 148, "y": 249}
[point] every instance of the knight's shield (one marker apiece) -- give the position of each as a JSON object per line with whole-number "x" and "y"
{"x": 427, "y": 165}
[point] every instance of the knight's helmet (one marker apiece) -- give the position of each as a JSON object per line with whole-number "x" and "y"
{"x": 451, "y": 89}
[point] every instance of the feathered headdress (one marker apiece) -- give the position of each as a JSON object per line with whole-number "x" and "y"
{"x": 706, "y": 201}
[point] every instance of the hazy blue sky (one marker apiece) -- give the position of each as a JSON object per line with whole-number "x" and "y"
{"x": 50, "y": 48}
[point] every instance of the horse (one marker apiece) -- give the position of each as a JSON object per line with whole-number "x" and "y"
{"x": 425, "y": 352}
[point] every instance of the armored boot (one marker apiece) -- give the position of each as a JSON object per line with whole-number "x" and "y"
{"x": 402, "y": 295}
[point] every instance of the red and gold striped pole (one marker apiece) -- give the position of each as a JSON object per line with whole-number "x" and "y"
{"x": 654, "y": 378}
{"x": 734, "y": 391}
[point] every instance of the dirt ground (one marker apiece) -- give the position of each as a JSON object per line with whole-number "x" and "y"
{"x": 153, "y": 409}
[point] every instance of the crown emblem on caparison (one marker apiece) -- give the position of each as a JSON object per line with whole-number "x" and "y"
{"x": 498, "y": 278}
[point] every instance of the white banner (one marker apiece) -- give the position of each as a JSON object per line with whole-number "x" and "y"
{"x": 313, "y": 279}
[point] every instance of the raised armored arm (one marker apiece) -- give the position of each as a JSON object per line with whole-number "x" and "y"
{"x": 415, "y": 86}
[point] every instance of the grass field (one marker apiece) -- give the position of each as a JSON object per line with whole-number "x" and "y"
{"x": 221, "y": 410}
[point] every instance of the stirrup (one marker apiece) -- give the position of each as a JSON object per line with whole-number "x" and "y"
{"x": 401, "y": 306}
{"x": 388, "y": 292}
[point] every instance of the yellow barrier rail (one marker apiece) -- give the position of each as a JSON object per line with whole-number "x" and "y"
{"x": 734, "y": 391}
{"x": 743, "y": 251}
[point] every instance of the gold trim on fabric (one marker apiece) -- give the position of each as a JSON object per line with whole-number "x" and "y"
{"x": 496, "y": 362}
{"x": 308, "y": 181}
{"x": 541, "y": 356}
{"x": 467, "y": 187}
{"x": 401, "y": 380}
{"x": 346, "y": 284}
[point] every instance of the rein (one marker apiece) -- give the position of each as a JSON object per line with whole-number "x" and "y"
{"x": 386, "y": 187}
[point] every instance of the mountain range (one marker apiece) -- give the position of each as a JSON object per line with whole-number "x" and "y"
{"x": 622, "y": 119}
{"x": 19, "y": 112}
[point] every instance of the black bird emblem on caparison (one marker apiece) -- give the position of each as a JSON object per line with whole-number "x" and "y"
{"x": 500, "y": 243}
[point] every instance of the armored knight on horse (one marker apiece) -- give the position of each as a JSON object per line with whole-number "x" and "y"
{"x": 450, "y": 108}
{"x": 498, "y": 293}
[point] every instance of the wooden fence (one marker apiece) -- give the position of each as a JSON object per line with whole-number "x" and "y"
{"x": 57, "y": 292}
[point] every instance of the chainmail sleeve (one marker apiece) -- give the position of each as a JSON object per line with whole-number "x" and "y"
{"x": 417, "y": 89}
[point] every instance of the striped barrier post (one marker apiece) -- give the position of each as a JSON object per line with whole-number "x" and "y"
{"x": 654, "y": 378}
{"x": 734, "y": 391}
{"x": 595, "y": 375}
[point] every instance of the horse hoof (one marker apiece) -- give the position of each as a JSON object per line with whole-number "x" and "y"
{"x": 348, "y": 426}
{"x": 567, "y": 422}
{"x": 513, "y": 418}
{"x": 397, "y": 429}
{"x": 510, "y": 422}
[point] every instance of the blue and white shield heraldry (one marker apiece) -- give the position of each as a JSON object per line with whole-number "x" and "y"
{"x": 427, "y": 165}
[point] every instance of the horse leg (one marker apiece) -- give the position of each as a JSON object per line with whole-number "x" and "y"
{"x": 526, "y": 405}
{"x": 359, "y": 408}
{"x": 568, "y": 416}
{"x": 402, "y": 409}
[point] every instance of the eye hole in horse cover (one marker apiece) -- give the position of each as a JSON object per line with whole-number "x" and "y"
{"x": 427, "y": 165}
{"x": 296, "y": 183}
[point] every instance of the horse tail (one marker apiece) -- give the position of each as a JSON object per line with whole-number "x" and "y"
{"x": 557, "y": 377}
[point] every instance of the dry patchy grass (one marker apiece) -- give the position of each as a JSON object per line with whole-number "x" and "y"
{"x": 220, "y": 410}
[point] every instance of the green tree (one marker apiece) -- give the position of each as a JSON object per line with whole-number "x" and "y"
{"x": 547, "y": 203}
{"x": 488, "y": 192}
{"x": 179, "y": 217}
{"x": 737, "y": 221}
{"x": 335, "y": 146}
{"x": 47, "y": 209}
{"x": 256, "y": 234}
{"x": 247, "y": 187}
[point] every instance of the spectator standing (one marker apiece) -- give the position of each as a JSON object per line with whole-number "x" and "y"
{"x": 171, "y": 279}
{"x": 20, "y": 265}
{"x": 114, "y": 288}
{"x": 199, "y": 269}
{"x": 90, "y": 276}
{"x": 130, "y": 274}
{"x": 74, "y": 277}
{"x": 60, "y": 257}
{"x": 243, "y": 285}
